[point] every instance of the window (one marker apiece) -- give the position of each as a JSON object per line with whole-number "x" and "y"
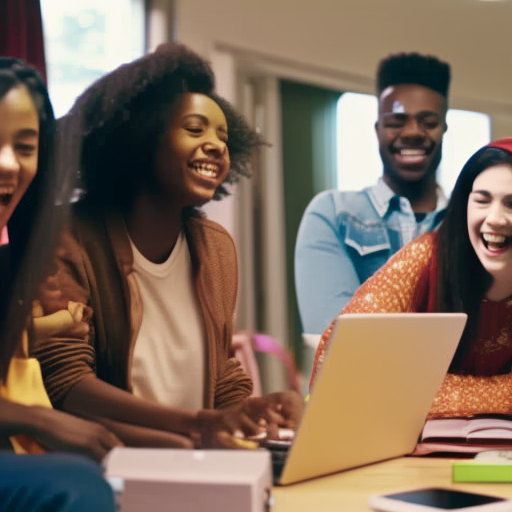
{"x": 84, "y": 39}
{"x": 359, "y": 163}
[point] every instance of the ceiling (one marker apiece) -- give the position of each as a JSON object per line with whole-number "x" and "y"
{"x": 351, "y": 36}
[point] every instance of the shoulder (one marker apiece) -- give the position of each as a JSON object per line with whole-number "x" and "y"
{"x": 340, "y": 203}
{"x": 424, "y": 243}
{"x": 73, "y": 233}
{"x": 86, "y": 217}
{"x": 212, "y": 250}
{"x": 84, "y": 232}
{"x": 419, "y": 251}
{"x": 208, "y": 228}
{"x": 339, "y": 197}
{"x": 207, "y": 235}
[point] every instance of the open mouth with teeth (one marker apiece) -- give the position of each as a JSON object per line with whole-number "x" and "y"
{"x": 411, "y": 156}
{"x": 495, "y": 243}
{"x": 208, "y": 170}
{"x": 5, "y": 199}
{"x": 6, "y": 194}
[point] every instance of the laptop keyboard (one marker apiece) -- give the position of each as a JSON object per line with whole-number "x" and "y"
{"x": 278, "y": 454}
{"x": 278, "y": 461}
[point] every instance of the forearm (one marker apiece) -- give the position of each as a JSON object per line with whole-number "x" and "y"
{"x": 18, "y": 419}
{"x": 64, "y": 363}
{"x": 15, "y": 418}
{"x": 467, "y": 395}
{"x": 233, "y": 386}
{"x": 94, "y": 398}
{"x": 144, "y": 437}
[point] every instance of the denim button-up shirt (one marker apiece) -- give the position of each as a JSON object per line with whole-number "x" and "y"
{"x": 343, "y": 238}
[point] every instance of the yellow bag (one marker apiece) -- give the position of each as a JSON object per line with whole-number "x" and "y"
{"x": 24, "y": 385}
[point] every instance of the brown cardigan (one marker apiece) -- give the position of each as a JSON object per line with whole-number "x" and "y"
{"x": 95, "y": 267}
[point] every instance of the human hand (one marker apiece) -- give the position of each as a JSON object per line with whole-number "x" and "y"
{"x": 54, "y": 313}
{"x": 225, "y": 428}
{"x": 57, "y": 292}
{"x": 282, "y": 409}
{"x": 51, "y": 298}
{"x": 59, "y": 431}
{"x": 146, "y": 437}
{"x": 66, "y": 322}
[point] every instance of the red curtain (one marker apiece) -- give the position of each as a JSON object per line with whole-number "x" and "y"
{"x": 21, "y": 32}
{"x": 21, "y": 36}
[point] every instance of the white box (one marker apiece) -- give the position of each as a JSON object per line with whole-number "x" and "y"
{"x": 166, "y": 480}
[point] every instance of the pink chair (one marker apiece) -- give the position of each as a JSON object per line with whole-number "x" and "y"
{"x": 242, "y": 348}
{"x": 245, "y": 344}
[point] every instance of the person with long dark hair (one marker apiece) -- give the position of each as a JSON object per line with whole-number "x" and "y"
{"x": 157, "y": 278}
{"x": 464, "y": 267}
{"x": 33, "y": 199}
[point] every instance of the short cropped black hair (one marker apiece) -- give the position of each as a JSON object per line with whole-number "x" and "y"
{"x": 414, "y": 68}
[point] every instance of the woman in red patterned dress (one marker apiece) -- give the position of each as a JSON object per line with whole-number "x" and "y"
{"x": 466, "y": 266}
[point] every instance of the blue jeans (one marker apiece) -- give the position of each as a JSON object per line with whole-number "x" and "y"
{"x": 52, "y": 483}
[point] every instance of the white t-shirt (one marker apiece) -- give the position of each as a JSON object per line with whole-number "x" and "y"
{"x": 169, "y": 354}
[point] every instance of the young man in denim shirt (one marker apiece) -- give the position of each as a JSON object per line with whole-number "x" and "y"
{"x": 344, "y": 237}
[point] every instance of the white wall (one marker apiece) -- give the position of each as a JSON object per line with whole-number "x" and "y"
{"x": 342, "y": 40}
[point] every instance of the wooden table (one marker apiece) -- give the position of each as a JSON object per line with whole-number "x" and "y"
{"x": 348, "y": 491}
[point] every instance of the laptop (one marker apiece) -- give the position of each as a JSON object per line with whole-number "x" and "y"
{"x": 371, "y": 398}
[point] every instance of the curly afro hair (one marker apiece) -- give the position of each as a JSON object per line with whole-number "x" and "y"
{"x": 413, "y": 68}
{"x": 122, "y": 117}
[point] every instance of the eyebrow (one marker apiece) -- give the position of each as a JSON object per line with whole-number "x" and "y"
{"x": 486, "y": 193}
{"x": 27, "y": 132}
{"x": 200, "y": 116}
{"x": 420, "y": 113}
{"x": 204, "y": 119}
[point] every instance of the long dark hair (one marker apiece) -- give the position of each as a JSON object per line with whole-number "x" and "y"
{"x": 34, "y": 225}
{"x": 461, "y": 279}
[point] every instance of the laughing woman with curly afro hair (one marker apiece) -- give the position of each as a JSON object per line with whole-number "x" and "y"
{"x": 152, "y": 143}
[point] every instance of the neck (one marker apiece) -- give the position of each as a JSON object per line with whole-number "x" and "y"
{"x": 421, "y": 194}
{"x": 499, "y": 290}
{"x": 154, "y": 227}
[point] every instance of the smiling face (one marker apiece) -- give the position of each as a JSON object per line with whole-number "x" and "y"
{"x": 410, "y": 128}
{"x": 193, "y": 159}
{"x": 490, "y": 226}
{"x": 19, "y": 139}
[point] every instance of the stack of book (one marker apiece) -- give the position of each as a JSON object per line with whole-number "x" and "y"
{"x": 465, "y": 435}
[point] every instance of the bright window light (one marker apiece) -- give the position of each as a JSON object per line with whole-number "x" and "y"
{"x": 467, "y": 132}
{"x": 84, "y": 39}
{"x": 359, "y": 163}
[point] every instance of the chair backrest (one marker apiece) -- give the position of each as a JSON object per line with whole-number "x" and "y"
{"x": 242, "y": 348}
{"x": 246, "y": 343}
